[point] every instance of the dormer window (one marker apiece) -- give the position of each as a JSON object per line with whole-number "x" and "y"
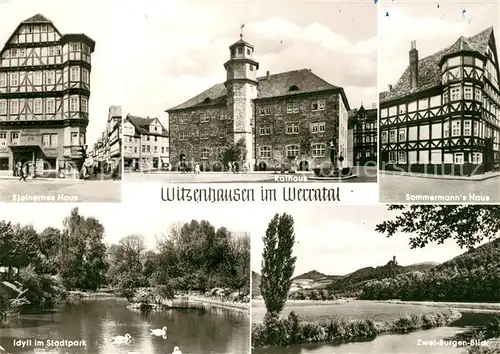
{"x": 249, "y": 51}
{"x": 207, "y": 100}
{"x": 293, "y": 88}
{"x": 240, "y": 50}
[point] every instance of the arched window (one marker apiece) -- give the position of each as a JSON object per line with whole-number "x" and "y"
{"x": 292, "y": 151}
{"x": 293, "y": 88}
{"x": 207, "y": 100}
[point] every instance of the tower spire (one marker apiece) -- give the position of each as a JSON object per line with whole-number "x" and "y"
{"x": 241, "y": 31}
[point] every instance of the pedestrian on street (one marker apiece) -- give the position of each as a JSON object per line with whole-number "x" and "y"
{"x": 22, "y": 173}
{"x": 197, "y": 169}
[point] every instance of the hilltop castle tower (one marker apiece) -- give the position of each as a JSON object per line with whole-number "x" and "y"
{"x": 241, "y": 83}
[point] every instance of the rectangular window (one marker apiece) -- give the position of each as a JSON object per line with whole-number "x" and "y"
{"x": 468, "y": 93}
{"x": 477, "y": 157}
{"x": 14, "y": 79}
{"x": 75, "y": 73}
{"x": 3, "y": 139}
{"x": 37, "y": 106}
{"x": 385, "y": 136}
{"x": 73, "y": 102}
{"x": 392, "y": 136}
{"x": 401, "y": 157}
{"x": 3, "y": 79}
{"x": 204, "y": 118}
{"x": 318, "y": 150}
{"x": 37, "y": 78}
{"x": 458, "y": 158}
{"x": 52, "y": 51}
{"x": 74, "y": 47}
{"x": 85, "y": 76}
{"x": 14, "y": 138}
{"x": 292, "y": 128}
{"x": 13, "y": 53}
{"x": 292, "y": 150}
{"x": 74, "y": 139}
{"x": 318, "y": 105}
{"x": 402, "y": 135}
{"x": 182, "y": 136}
{"x": 477, "y": 94}
{"x": 266, "y": 130}
{"x": 267, "y": 111}
{"x": 455, "y": 128}
{"x": 46, "y": 139}
{"x": 455, "y": 94}
{"x": 204, "y": 135}
{"x": 51, "y": 105}
{"x": 467, "y": 127}
{"x": 50, "y": 77}
{"x": 265, "y": 152}
{"x": 53, "y": 140}
{"x": 392, "y": 157}
{"x": 14, "y": 107}
{"x": 476, "y": 128}
{"x": 85, "y": 107}
{"x": 3, "y": 107}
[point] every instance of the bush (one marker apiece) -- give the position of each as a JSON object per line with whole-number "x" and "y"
{"x": 275, "y": 331}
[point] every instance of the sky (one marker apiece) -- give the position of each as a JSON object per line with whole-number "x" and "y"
{"x": 433, "y": 24}
{"x": 177, "y": 48}
{"x": 337, "y": 240}
{"x": 120, "y": 220}
{"x": 95, "y": 19}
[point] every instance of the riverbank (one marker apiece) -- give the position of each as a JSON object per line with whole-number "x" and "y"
{"x": 79, "y": 295}
{"x": 237, "y": 306}
{"x": 341, "y": 323}
{"x": 474, "y": 307}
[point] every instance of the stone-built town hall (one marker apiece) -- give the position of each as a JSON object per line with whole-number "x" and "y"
{"x": 290, "y": 118}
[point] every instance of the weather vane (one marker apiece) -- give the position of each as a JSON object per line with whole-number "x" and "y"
{"x": 241, "y": 31}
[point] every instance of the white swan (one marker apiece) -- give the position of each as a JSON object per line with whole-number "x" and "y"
{"x": 121, "y": 339}
{"x": 159, "y": 332}
{"x": 177, "y": 350}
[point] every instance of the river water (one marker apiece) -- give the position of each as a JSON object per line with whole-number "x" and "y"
{"x": 419, "y": 342}
{"x": 200, "y": 330}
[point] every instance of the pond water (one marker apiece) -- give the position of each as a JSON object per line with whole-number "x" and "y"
{"x": 200, "y": 330}
{"x": 418, "y": 342}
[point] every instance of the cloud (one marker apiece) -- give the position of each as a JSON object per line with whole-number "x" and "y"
{"x": 432, "y": 28}
{"x": 180, "y": 52}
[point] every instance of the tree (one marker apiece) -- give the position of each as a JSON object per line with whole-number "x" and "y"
{"x": 278, "y": 263}
{"x": 82, "y": 253}
{"x": 305, "y": 143}
{"x": 234, "y": 152}
{"x": 468, "y": 225}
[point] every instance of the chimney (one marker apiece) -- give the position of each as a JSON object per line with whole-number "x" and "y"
{"x": 413, "y": 65}
{"x": 268, "y": 74}
{"x": 389, "y": 87}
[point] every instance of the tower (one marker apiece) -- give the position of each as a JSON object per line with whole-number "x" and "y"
{"x": 241, "y": 83}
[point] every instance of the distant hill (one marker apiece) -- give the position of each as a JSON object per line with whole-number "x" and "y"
{"x": 421, "y": 267}
{"x": 255, "y": 284}
{"x": 470, "y": 277}
{"x": 314, "y": 275}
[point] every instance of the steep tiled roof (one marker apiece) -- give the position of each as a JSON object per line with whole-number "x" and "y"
{"x": 142, "y": 124}
{"x": 115, "y": 111}
{"x": 38, "y": 18}
{"x": 429, "y": 72}
{"x": 276, "y": 86}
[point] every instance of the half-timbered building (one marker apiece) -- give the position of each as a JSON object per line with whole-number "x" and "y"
{"x": 44, "y": 97}
{"x": 293, "y": 118}
{"x": 364, "y": 125}
{"x": 443, "y": 114}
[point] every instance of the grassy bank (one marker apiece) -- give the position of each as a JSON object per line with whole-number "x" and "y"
{"x": 475, "y": 307}
{"x": 76, "y": 294}
{"x": 346, "y": 309}
{"x": 341, "y": 323}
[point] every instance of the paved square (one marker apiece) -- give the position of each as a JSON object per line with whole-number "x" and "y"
{"x": 365, "y": 175}
{"x": 402, "y": 189}
{"x": 72, "y": 191}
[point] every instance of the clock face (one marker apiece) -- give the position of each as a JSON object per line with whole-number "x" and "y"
{"x": 239, "y": 67}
